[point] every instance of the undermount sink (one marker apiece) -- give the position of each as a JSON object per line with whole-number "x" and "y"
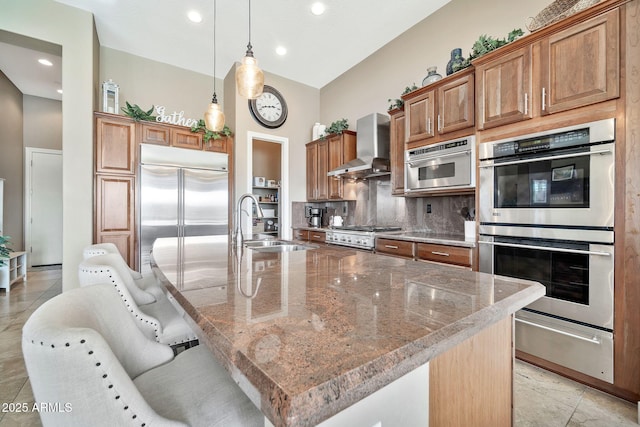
{"x": 276, "y": 246}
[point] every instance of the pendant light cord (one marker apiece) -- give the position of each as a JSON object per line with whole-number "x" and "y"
{"x": 215, "y": 26}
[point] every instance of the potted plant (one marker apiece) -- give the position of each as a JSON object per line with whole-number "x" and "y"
{"x": 137, "y": 113}
{"x": 207, "y": 134}
{"x": 399, "y": 103}
{"x": 4, "y": 251}
{"x": 336, "y": 127}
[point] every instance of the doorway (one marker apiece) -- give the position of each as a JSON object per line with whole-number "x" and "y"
{"x": 43, "y": 206}
{"x": 268, "y": 158}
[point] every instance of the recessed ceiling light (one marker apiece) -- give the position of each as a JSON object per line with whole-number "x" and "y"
{"x": 194, "y": 16}
{"x": 317, "y": 8}
{"x": 60, "y": 91}
{"x": 45, "y": 62}
{"x": 281, "y": 50}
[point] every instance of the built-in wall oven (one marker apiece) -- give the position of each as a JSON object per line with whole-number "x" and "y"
{"x": 445, "y": 165}
{"x": 546, "y": 214}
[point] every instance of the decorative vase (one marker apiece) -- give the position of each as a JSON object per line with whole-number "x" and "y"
{"x": 455, "y": 63}
{"x": 432, "y": 76}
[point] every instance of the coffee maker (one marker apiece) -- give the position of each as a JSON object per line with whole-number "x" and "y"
{"x": 314, "y": 216}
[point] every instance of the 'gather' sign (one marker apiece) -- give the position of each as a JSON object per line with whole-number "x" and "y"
{"x": 175, "y": 118}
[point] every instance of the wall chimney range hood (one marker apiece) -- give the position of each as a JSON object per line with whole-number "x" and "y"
{"x": 372, "y": 149}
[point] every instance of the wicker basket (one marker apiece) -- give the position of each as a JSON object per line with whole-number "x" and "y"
{"x": 558, "y": 10}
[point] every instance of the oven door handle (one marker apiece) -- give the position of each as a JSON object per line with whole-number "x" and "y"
{"x": 414, "y": 162}
{"x": 546, "y": 248}
{"x": 539, "y": 159}
{"x": 593, "y": 340}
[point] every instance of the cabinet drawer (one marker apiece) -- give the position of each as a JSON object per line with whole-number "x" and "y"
{"x": 443, "y": 253}
{"x": 317, "y": 236}
{"x": 395, "y": 247}
{"x": 301, "y": 234}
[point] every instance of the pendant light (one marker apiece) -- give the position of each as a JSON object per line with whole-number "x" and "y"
{"x": 214, "y": 117}
{"x": 249, "y": 77}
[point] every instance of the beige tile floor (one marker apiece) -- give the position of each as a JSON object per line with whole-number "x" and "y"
{"x": 542, "y": 399}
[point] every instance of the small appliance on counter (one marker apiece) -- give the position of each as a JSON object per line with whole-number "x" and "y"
{"x": 314, "y": 216}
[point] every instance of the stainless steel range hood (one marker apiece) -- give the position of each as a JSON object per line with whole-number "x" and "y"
{"x": 372, "y": 149}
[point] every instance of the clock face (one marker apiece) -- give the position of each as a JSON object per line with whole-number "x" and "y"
{"x": 269, "y": 109}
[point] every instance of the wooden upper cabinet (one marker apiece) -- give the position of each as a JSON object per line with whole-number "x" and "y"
{"x": 396, "y": 149}
{"x": 456, "y": 105}
{"x": 184, "y": 138}
{"x": 504, "y": 89}
{"x": 312, "y": 171}
{"x": 440, "y": 111}
{"x": 154, "y": 134}
{"x": 115, "y": 145}
{"x": 341, "y": 149}
{"x": 581, "y": 65}
{"x": 322, "y": 192}
{"x": 220, "y": 145}
{"x": 420, "y": 117}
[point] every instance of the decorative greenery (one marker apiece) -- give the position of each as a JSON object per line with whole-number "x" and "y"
{"x": 4, "y": 251}
{"x": 202, "y": 127}
{"x": 399, "y": 103}
{"x": 137, "y": 113}
{"x": 337, "y": 127}
{"x": 486, "y": 44}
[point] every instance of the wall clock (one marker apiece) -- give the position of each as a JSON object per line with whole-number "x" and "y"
{"x": 269, "y": 109}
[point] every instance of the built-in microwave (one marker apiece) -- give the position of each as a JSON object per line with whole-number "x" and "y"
{"x": 445, "y": 165}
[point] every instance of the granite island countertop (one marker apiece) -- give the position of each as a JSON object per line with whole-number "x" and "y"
{"x": 309, "y": 333}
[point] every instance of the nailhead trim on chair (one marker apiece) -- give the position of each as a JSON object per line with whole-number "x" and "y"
{"x": 104, "y": 375}
{"x": 126, "y": 301}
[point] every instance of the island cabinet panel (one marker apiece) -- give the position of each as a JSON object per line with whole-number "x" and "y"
{"x": 396, "y": 149}
{"x": 115, "y": 145}
{"x": 581, "y": 65}
{"x": 456, "y": 105}
{"x": 504, "y": 89}
{"x": 441, "y": 111}
{"x": 444, "y": 253}
{"x": 401, "y": 248}
{"x": 481, "y": 393}
{"x": 115, "y": 213}
{"x": 154, "y": 134}
{"x": 186, "y": 139}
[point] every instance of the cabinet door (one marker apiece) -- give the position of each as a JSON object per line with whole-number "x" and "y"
{"x": 186, "y": 139}
{"x": 581, "y": 65}
{"x": 456, "y": 108}
{"x": 504, "y": 89}
{"x": 396, "y": 149}
{"x": 420, "y": 115}
{"x": 115, "y": 213}
{"x": 312, "y": 171}
{"x": 154, "y": 134}
{"x": 323, "y": 169}
{"x": 336, "y": 158}
{"x": 115, "y": 146}
{"x": 220, "y": 145}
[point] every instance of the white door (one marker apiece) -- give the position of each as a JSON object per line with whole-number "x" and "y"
{"x": 43, "y": 213}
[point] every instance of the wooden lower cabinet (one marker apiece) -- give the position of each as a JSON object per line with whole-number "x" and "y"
{"x": 401, "y": 248}
{"x": 444, "y": 253}
{"x": 115, "y": 214}
{"x": 472, "y": 384}
{"x": 317, "y": 236}
{"x": 299, "y": 234}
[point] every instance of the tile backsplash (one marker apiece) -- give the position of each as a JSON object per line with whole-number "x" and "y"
{"x": 374, "y": 205}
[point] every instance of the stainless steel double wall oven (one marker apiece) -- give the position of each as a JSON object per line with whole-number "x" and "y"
{"x": 547, "y": 214}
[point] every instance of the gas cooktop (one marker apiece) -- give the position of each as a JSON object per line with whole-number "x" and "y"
{"x": 367, "y": 228}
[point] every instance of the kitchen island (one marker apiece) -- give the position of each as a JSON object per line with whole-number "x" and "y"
{"x": 332, "y": 335}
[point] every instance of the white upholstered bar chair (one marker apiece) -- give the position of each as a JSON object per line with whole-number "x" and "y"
{"x": 158, "y": 320}
{"x": 148, "y": 282}
{"x": 84, "y": 354}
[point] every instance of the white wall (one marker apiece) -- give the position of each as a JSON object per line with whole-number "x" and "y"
{"x": 73, "y": 30}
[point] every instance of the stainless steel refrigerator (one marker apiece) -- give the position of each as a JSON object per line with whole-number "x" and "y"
{"x": 182, "y": 193}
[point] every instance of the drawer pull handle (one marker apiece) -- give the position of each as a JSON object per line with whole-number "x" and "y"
{"x": 440, "y": 253}
{"x": 315, "y": 236}
{"x": 391, "y": 246}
